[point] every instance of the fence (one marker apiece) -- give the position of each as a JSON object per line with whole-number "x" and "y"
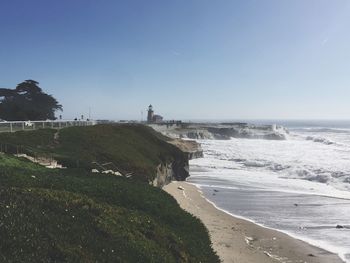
{"x": 43, "y": 158}
{"x": 12, "y": 126}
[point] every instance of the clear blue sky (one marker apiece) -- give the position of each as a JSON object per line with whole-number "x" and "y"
{"x": 190, "y": 59}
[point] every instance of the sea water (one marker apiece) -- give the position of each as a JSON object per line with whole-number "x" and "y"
{"x": 300, "y": 185}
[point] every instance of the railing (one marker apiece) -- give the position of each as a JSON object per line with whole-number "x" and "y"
{"x": 110, "y": 167}
{"x": 12, "y": 126}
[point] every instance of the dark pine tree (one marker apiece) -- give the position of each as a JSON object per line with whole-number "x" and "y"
{"x": 27, "y": 102}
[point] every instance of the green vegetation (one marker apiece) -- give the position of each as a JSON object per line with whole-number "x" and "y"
{"x": 27, "y": 102}
{"x": 135, "y": 149}
{"x": 72, "y": 215}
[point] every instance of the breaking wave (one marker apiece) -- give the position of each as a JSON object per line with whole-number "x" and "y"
{"x": 299, "y": 184}
{"x": 320, "y": 140}
{"x": 314, "y": 174}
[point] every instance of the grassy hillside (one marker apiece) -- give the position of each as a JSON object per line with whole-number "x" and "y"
{"x": 71, "y": 215}
{"x": 132, "y": 148}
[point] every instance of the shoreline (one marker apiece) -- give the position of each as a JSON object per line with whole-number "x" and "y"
{"x": 239, "y": 240}
{"x": 291, "y": 235}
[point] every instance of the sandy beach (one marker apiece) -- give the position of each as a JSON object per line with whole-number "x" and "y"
{"x": 241, "y": 241}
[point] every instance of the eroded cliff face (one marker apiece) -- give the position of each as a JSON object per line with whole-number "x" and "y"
{"x": 176, "y": 170}
{"x": 164, "y": 175}
{"x": 195, "y": 155}
{"x": 191, "y": 148}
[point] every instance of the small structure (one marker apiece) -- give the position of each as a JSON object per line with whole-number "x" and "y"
{"x": 150, "y": 114}
{"x": 157, "y": 118}
{"x": 153, "y": 118}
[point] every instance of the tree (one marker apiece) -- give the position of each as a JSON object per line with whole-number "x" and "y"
{"x": 27, "y": 102}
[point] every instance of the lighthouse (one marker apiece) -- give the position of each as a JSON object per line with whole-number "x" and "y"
{"x": 150, "y": 114}
{"x": 153, "y": 118}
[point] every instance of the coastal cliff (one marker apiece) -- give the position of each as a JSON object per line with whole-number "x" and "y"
{"x": 178, "y": 168}
{"x": 172, "y": 171}
{"x": 76, "y": 215}
{"x": 191, "y": 148}
{"x": 134, "y": 151}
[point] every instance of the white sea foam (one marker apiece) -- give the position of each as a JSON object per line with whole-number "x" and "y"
{"x": 319, "y": 139}
{"x": 343, "y": 252}
{"x": 293, "y": 158}
{"x": 265, "y": 176}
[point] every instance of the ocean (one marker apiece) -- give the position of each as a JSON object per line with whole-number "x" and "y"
{"x": 300, "y": 185}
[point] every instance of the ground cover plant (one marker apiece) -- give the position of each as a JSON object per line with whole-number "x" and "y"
{"x": 135, "y": 149}
{"x": 73, "y": 215}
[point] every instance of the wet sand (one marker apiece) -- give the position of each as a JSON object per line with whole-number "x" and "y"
{"x": 240, "y": 241}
